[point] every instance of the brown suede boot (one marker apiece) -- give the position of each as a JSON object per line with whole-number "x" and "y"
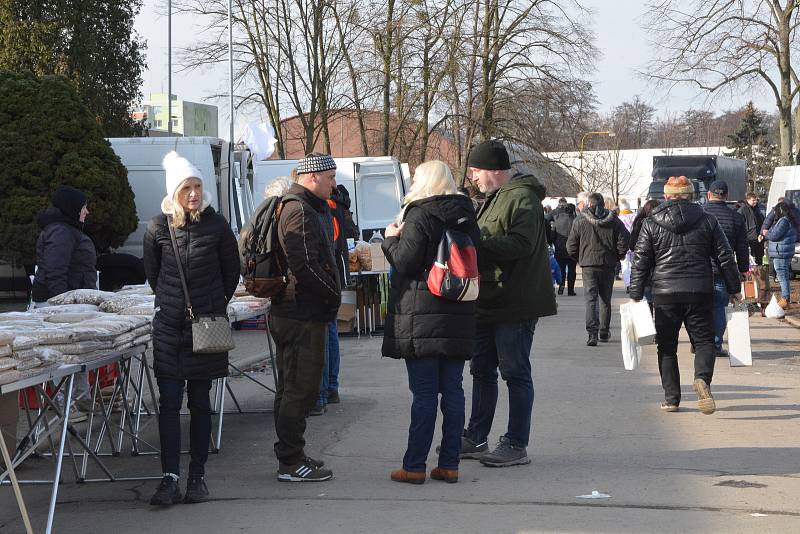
{"x": 783, "y": 303}
{"x": 401, "y": 475}
{"x": 448, "y": 475}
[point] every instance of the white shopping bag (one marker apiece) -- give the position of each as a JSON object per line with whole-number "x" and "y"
{"x": 643, "y": 322}
{"x": 631, "y": 350}
{"x": 738, "y": 331}
{"x": 774, "y": 310}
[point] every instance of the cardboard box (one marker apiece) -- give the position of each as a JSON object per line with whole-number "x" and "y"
{"x": 379, "y": 263}
{"x": 346, "y": 312}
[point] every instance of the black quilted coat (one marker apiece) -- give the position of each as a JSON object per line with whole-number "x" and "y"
{"x": 420, "y": 324}
{"x": 677, "y": 244}
{"x": 211, "y": 263}
{"x": 735, "y": 229}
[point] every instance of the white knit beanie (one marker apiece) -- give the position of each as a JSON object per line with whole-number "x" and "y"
{"x": 177, "y": 170}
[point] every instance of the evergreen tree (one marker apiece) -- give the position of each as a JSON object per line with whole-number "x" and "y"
{"x": 48, "y": 137}
{"x": 92, "y": 42}
{"x": 751, "y": 143}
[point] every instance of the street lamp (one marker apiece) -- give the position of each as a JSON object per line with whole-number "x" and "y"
{"x": 580, "y": 154}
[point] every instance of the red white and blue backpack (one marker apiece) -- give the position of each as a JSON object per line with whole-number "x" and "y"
{"x": 454, "y": 273}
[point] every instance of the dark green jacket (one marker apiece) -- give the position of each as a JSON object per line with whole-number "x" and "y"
{"x": 516, "y": 283}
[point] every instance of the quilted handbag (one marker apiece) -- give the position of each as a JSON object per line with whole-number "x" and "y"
{"x": 211, "y": 333}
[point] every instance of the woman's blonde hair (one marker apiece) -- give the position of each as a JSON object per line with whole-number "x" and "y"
{"x": 179, "y": 215}
{"x": 431, "y": 178}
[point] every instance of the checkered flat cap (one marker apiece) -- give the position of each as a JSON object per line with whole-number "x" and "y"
{"x": 315, "y": 163}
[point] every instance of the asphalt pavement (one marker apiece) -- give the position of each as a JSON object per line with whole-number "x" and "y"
{"x": 596, "y": 427}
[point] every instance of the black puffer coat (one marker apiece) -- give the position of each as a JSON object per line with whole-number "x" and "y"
{"x": 677, "y": 244}
{"x": 65, "y": 256}
{"x": 420, "y": 324}
{"x": 735, "y": 229}
{"x": 211, "y": 264}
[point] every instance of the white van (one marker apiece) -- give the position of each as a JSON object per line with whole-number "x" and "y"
{"x": 376, "y": 185}
{"x": 142, "y": 156}
{"x": 783, "y": 179}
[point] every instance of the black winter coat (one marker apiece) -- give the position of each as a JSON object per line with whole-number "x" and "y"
{"x": 754, "y": 218}
{"x": 677, "y": 244}
{"x": 65, "y": 256}
{"x": 598, "y": 239}
{"x": 419, "y": 324}
{"x": 734, "y": 227}
{"x": 211, "y": 265}
{"x": 561, "y": 227}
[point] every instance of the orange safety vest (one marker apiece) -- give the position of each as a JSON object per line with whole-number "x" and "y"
{"x": 332, "y": 205}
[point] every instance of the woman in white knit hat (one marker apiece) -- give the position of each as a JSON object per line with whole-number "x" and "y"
{"x": 210, "y": 263}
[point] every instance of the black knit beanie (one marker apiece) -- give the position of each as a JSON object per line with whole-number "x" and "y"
{"x": 490, "y": 155}
{"x": 70, "y": 201}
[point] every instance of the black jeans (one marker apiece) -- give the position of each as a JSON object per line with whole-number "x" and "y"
{"x": 598, "y": 285}
{"x": 170, "y": 399}
{"x": 757, "y": 251}
{"x": 697, "y": 318}
{"x": 568, "y": 272}
{"x": 300, "y": 360}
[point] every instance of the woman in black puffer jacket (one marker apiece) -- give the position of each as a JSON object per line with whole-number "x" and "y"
{"x": 210, "y": 261}
{"x": 435, "y": 336}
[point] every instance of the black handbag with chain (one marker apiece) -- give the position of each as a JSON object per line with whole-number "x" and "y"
{"x": 211, "y": 332}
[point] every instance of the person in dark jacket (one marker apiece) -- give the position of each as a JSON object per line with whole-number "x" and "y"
{"x": 433, "y": 335}
{"x": 66, "y": 259}
{"x": 300, "y": 315}
{"x": 561, "y": 227}
{"x": 676, "y": 246}
{"x": 734, "y": 227}
{"x": 516, "y": 289}
{"x": 753, "y": 213}
{"x": 65, "y": 256}
{"x": 782, "y": 236}
{"x": 598, "y": 240}
{"x": 210, "y": 262}
{"x": 342, "y": 228}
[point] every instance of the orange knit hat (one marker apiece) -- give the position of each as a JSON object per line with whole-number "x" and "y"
{"x": 677, "y": 185}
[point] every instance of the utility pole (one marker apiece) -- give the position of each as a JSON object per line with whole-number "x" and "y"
{"x": 169, "y": 68}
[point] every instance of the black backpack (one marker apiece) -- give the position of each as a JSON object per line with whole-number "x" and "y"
{"x": 262, "y": 262}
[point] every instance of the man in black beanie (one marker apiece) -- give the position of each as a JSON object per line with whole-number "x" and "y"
{"x": 512, "y": 250}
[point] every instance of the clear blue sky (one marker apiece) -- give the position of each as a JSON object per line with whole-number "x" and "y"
{"x": 616, "y": 24}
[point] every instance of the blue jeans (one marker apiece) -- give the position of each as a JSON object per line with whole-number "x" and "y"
{"x": 427, "y": 378}
{"x": 330, "y": 373}
{"x": 170, "y": 399}
{"x": 721, "y": 300}
{"x": 507, "y": 347}
{"x": 783, "y": 268}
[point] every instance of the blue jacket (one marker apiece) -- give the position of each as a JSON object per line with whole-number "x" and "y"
{"x": 769, "y": 220}
{"x": 555, "y": 268}
{"x": 782, "y": 236}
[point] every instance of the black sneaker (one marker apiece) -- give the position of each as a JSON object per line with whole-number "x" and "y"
{"x": 592, "y": 341}
{"x": 721, "y": 353}
{"x": 196, "y": 490}
{"x": 167, "y": 493}
{"x": 505, "y": 455}
{"x": 318, "y": 409}
{"x": 333, "y": 396}
{"x": 311, "y": 461}
{"x": 305, "y": 471}
{"x": 469, "y": 449}
{"x": 560, "y": 290}
{"x": 605, "y": 338}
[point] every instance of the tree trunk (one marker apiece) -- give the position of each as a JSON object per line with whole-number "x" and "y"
{"x": 386, "y": 52}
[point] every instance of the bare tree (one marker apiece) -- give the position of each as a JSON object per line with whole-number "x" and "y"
{"x": 729, "y": 44}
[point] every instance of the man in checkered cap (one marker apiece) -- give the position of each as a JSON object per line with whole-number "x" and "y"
{"x": 300, "y": 316}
